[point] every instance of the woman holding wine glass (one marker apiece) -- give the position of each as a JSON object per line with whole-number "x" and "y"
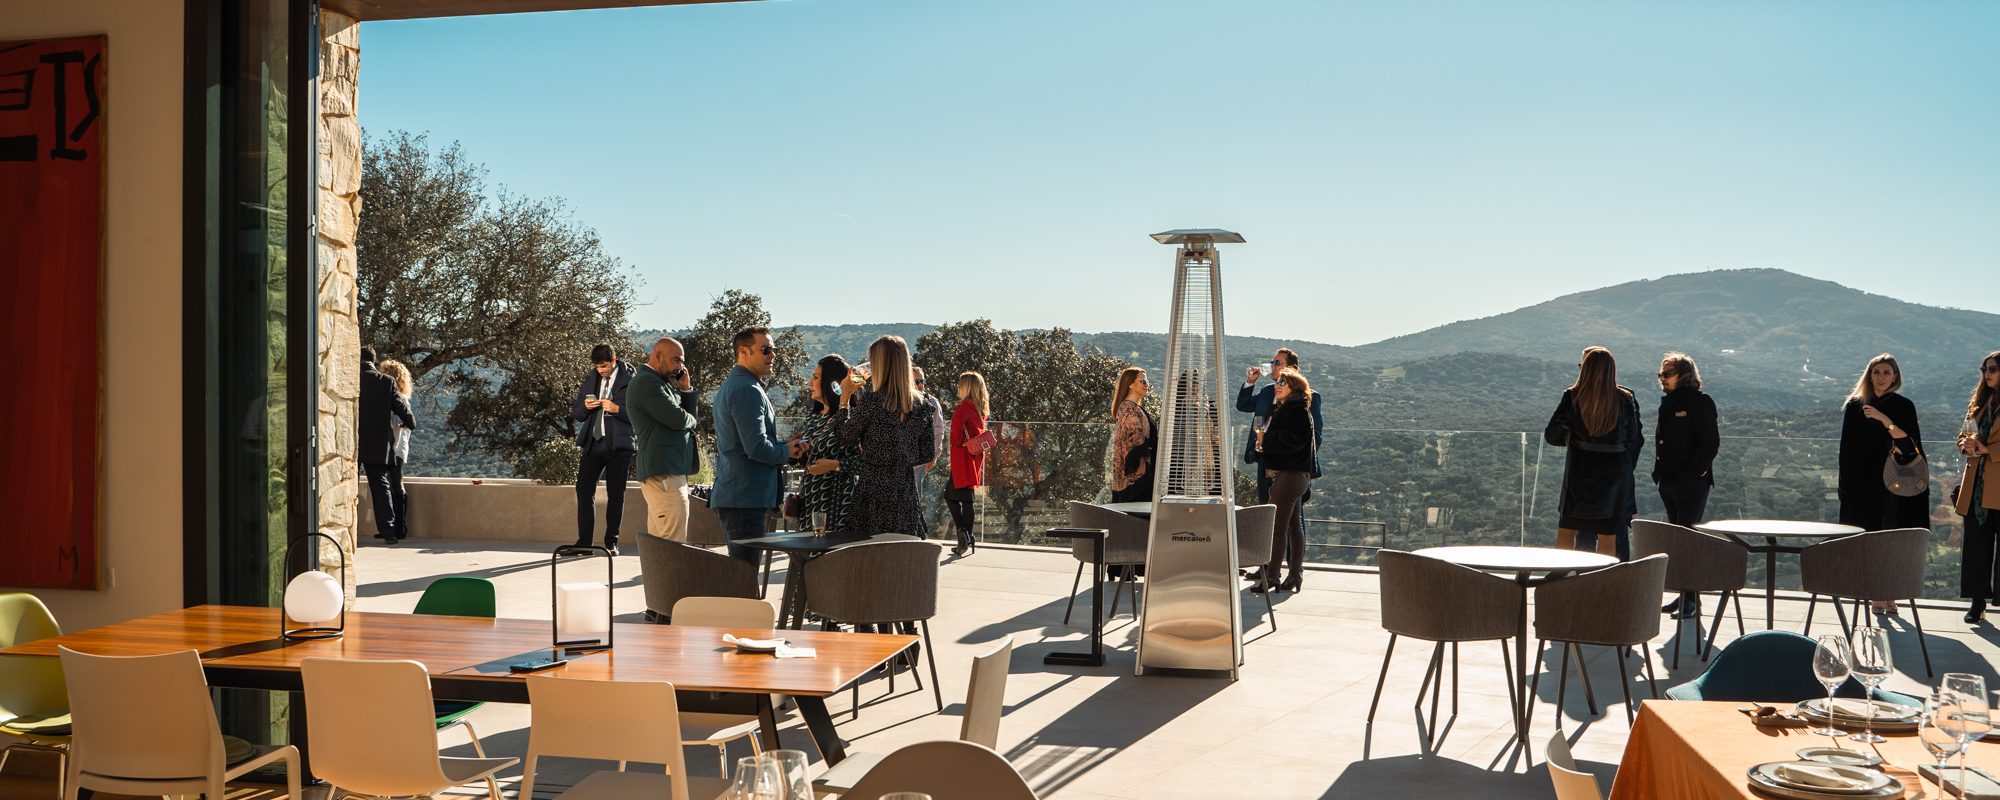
{"x": 1286, "y": 454}
{"x": 1979, "y": 441}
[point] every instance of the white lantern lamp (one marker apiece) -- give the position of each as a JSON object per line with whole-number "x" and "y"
{"x": 581, "y": 610}
{"x": 314, "y": 598}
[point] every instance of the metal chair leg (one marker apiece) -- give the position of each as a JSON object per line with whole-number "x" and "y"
{"x": 1562, "y": 683}
{"x": 1652, "y": 682}
{"x": 1811, "y": 603}
{"x": 1624, "y": 686}
{"x": 1680, "y": 627}
{"x": 1437, "y": 687}
{"x": 492, "y": 786}
{"x": 1430, "y": 667}
{"x": 1738, "y": 597}
{"x": 1454, "y": 679}
{"x": 1842, "y": 613}
{"x": 1921, "y": 644}
{"x": 1709, "y": 649}
{"x": 930, "y": 654}
{"x": 1380, "y": 678}
{"x": 1073, "y": 585}
{"x": 1269, "y": 611}
{"x": 1535, "y": 687}
{"x": 1583, "y": 671}
{"x": 1507, "y": 663}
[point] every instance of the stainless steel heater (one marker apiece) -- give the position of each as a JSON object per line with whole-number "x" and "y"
{"x": 1191, "y": 613}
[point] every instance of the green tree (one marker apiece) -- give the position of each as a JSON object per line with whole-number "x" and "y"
{"x": 711, "y": 351}
{"x": 494, "y": 300}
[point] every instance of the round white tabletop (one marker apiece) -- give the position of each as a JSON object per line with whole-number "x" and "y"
{"x": 1777, "y": 528}
{"x": 1508, "y": 558}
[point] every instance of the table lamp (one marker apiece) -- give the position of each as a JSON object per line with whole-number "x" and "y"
{"x": 314, "y": 598}
{"x": 581, "y": 619}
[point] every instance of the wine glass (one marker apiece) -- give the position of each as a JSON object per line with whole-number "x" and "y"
{"x": 792, "y": 767}
{"x": 1968, "y": 692}
{"x": 1831, "y": 664}
{"x": 1940, "y": 733}
{"x": 1262, "y": 424}
{"x": 1872, "y": 665}
{"x": 758, "y": 778}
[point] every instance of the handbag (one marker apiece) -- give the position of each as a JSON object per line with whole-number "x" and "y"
{"x": 981, "y": 443}
{"x": 1907, "y": 479}
{"x": 794, "y": 506}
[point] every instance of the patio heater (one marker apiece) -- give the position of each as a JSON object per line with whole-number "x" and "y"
{"x": 1190, "y": 619}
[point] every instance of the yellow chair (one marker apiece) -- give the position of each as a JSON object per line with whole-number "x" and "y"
{"x": 145, "y": 726}
{"x": 715, "y": 729}
{"x": 621, "y": 721}
{"x": 374, "y": 731}
{"x": 34, "y": 703}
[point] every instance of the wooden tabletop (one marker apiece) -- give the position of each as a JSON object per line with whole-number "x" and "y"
{"x": 244, "y": 639}
{"x": 1508, "y": 558}
{"x": 1777, "y": 527}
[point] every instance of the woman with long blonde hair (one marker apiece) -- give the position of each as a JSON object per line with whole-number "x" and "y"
{"x": 891, "y": 424}
{"x": 1134, "y": 436}
{"x": 968, "y": 446}
{"x": 1598, "y": 422}
{"x": 1878, "y": 423}
{"x": 400, "y": 433}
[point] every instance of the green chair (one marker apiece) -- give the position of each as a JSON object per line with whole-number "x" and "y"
{"x": 460, "y": 596}
{"x": 34, "y": 701}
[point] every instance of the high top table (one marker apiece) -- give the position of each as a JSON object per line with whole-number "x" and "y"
{"x": 1526, "y": 563}
{"x": 468, "y": 657}
{"x": 1771, "y": 530}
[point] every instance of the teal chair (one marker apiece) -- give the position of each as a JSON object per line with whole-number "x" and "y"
{"x": 34, "y": 701}
{"x": 460, "y": 596}
{"x": 1770, "y": 667}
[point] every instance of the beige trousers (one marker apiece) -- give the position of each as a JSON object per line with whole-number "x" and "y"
{"x": 666, "y": 506}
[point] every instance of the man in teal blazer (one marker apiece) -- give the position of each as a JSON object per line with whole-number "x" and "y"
{"x": 661, "y": 401}
{"x": 749, "y": 454}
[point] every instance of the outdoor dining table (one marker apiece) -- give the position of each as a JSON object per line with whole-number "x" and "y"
{"x": 1526, "y": 563}
{"x": 468, "y": 658}
{"x": 1772, "y": 530}
{"x": 1704, "y": 751}
{"x": 800, "y": 548}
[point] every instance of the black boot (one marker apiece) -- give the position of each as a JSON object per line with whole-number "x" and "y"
{"x": 1977, "y": 612}
{"x": 1690, "y": 607}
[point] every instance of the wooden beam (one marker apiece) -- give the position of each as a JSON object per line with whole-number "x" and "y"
{"x": 370, "y": 10}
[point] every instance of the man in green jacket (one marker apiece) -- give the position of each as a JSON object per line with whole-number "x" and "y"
{"x": 661, "y": 403}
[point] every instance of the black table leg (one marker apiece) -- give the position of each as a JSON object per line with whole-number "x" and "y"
{"x": 1094, "y": 658}
{"x": 767, "y": 722}
{"x": 820, "y": 724}
{"x": 1770, "y": 583}
{"x": 793, "y": 613}
{"x": 1521, "y": 663}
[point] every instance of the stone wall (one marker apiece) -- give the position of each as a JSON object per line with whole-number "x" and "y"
{"x": 339, "y": 329}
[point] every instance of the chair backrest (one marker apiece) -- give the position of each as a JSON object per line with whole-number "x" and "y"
{"x": 28, "y": 684}
{"x": 1571, "y": 783}
{"x": 669, "y": 571}
{"x": 1125, "y": 545}
{"x": 1256, "y": 529}
{"x": 1616, "y": 605}
{"x": 986, "y": 695}
{"x": 614, "y": 720}
{"x": 875, "y": 582}
{"x": 945, "y": 769}
{"x": 142, "y": 717}
{"x": 459, "y": 596}
{"x": 372, "y": 725}
{"x": 1768, "y": 667}
{"x": 725, "y": 612}
{"x": 1877, "y": 565}
{"x": 1439, "y": 601}
{"x": 1696, "y": 561}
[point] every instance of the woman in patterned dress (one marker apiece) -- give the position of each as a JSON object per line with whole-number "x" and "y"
{"x": 828, "y": 489}
{"x": 891, "y": 425}
{"x": 1133, "y": 439}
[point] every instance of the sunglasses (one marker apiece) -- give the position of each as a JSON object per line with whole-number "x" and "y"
{"x": 1989, "y": 369}
{"x": 766, "y": 350}
{"x": 1667, "y": 374}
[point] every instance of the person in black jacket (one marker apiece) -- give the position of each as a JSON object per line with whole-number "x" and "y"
{"x": 1285, "y": 450}
{"x": 375, "y": 444}
{"x": 608, "y": 444}
{"x": 1598, "y": 421}
{"x": 1685, "y": 442}
{"x": 1876, "y": 422}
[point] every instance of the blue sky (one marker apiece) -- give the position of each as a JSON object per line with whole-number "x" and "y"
{"x": 1395, "y": 165}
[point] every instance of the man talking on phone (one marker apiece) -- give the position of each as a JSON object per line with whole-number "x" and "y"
{"x": 662, "y": 400}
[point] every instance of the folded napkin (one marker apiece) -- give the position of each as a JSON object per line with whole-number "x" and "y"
{"x": 1822, "y": 776}
{"x": 777, "y": 647}
{"x": 1858, "y": 709}
{"x": 788, "y": 651}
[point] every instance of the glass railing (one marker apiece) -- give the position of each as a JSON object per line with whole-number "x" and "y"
{"x": 1409, "y": 489}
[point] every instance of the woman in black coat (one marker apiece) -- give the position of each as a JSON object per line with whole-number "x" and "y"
{"x": 1285, "y": 451}
{"x": 1685, "y": 441}
{"x": 1598, "y": 421}
{"x": 1875, "y": 422}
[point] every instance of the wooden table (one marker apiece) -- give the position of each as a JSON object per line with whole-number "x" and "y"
{"x": 1526, "y": 563}
{"x": 800, "y": 548}
{"x": 467, "y": 657}
{"x": 1771, "y": 530}
{"x": 1697, "y": 751}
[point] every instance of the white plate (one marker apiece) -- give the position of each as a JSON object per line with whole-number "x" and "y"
{"x": 1763, "y": 777}
{"x": 1840, "y": 755}
{"x": 1815, "y": 710}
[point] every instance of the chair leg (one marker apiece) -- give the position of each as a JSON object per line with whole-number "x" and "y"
{"x": 1680, "y": 627}
{"x": 1653, "y": 684}
{"x": 1562, "y": 683}
{"x": 1507, "y": 663}
{"x": 1535, "y": 687}
{"x": 1424, "y": 687}
{"x": 1921, "y": 644}
{"x": 1454, "y": 679}
{"x": 1841, "y": 611}
{"x": 492, "y": 786}
{"x": 1380, "y": 678}
{"x": 764, "y": 582}
{"x": 1073, "y": 585}
{"x": 1583, "y": 671}
{"x": 1437, "y": 685}
{"x": 1624, "y": 686}
{"x": 1115, "y": 594}
{"x": 1709, "y": 649}
{"x": 1269, "y": 611}
{"x": 1738, "y": 597}
{"x": 930, "y": 654}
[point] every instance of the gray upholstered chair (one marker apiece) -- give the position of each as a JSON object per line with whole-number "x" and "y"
{"x": 670, "y": 571}
{"x": 1617, "y": 606}
{"x": 1878, "y": 565}
{"x": 1696, "y": 562}
{"x": 1255, "y": 531}
{"x": 704, "y": 527}
{"x": 1124, "y": 547}
{"x": 879, "y": 583}
{"x": 1441, "y": 602}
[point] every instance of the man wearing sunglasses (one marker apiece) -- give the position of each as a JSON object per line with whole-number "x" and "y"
{"x": 749, "y": 453}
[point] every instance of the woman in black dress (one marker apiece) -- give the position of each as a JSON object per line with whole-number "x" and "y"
{"x": 829, "y": 462}
{"x": 1285, "y": 451}
{"x": 892, "y": 425}
{"x": 1979, "y": 504}
{"x": 1875, "y": 422}
{"x": 1598, "y": 421}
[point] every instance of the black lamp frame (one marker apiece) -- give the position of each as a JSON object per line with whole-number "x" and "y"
{"x": 555, "y": 621}
{"x": 310, "y": 632}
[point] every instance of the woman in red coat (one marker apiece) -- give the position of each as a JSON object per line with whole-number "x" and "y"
{"x": 968, "y": 455}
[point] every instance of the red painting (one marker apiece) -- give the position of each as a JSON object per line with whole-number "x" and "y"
{"x": 51, "y": 289}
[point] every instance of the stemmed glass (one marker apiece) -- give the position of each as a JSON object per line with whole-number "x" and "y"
{"x": 1941, "y": 733}
{"x": 1262, "y": 424}
{"x": 1872, "y": 665}
{"x": 1831, "y": 663}
{"x": 792, "y": 767}
{"x": 1968, "y": 692}
{"x": 759, "y": 778}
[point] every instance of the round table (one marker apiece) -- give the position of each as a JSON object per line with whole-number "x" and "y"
{"x": 1525, "y": 562}
{"x": 1805, "y": 533}
{"x": 800, "y": 548}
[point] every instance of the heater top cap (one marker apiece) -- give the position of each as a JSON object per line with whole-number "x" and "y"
{"x": 1199, "y": 236}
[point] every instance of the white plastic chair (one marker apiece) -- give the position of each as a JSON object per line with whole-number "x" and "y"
{"x": 617, "y": 720}
{"x": 144, "y": 725}
{"x": 373, "y": 728}
{"x": 985, "y": 700}
{"x": 1571, "y": 783}
{"x": 711, "y": 729}
{"x": 945, "y": 769}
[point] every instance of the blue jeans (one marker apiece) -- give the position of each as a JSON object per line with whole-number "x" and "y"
{"x": 742, "y": 523}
